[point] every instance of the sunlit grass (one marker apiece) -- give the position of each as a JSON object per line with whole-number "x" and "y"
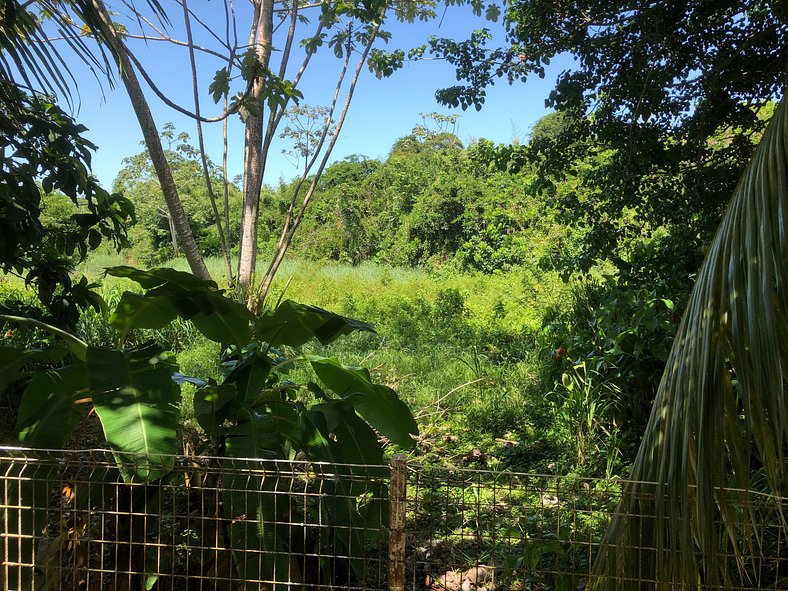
{"x": 460, "y": 349}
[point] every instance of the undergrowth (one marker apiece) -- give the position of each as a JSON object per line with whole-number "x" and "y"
{"x": 466, "y": 351}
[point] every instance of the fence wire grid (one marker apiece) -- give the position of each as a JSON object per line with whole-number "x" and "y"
{"x": 78, "y": 520}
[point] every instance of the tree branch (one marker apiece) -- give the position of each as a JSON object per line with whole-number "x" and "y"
{"x": 208, "y": 184}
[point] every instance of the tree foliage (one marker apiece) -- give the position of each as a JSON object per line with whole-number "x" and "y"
{"x": 663, "y": 106}
{"x": 45, "y": 160}
{"x": 152, "y": 236}
{"x": 431, "y": 202}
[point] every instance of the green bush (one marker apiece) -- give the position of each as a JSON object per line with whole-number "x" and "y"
{"x": 604, "y": 356}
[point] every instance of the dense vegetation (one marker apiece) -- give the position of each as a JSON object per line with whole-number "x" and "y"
{"x": 525, "y": 296}
{"x": 454, "y": 263}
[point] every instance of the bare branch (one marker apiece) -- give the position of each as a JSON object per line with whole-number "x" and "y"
{"x": 173, "y": 105}
{"x": 207, "y": 28}
{"x": 179, "y": 43}
{"x": 289, "y": 42}
{"x": 288, "y": 233}
{"x": 206, "y": 173}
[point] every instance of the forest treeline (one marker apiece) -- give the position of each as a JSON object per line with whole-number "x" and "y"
{"x": 432, "y": 202}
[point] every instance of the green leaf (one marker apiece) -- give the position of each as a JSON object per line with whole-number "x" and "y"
{"x": 342, "y": 484}
{"x": 181, "y": 379}
{"x": 50, "y": 410}
{"x": 220, "y": 85}
{"x": 139, "y": 311}
{"x": 172, "y": 293}
{"x": 678, "y": 521}
{"x": 228, "y": 322}
{"x": 77, "y": 346}
{"x": 354, "y": 437}
{"x": 249, "y": 376}
{"x": 259, "y": 436}
{"x": 378, "y": 404}
{"x": 213, "y": 404}
{"x": 251, "y": 65}
{"x": 94, "y": 239}
{"x": 315, "y": 438}
{"x": 136, "y": 401}
{"x": 161, "y": 275}
{"x": 294, "y": 324}
{"x": 13, "y": 360}
{"x": 255, "y": 506}
{"x": 492, "y": 13}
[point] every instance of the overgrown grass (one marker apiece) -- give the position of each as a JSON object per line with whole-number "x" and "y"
{"x": 463, "y": 350}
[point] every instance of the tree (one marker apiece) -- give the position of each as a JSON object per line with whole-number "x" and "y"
{"x": 663, "y": 101}
{"x": 249, "y": 84}
{"x": 97, "y": 19}
{"x": 265, "y": 92}
{"x": 45, "y": 165}
{"x": 304, "y": 129}
{"x": 43, "y": 160}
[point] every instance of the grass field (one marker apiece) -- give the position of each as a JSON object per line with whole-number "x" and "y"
{"x": 463, "y": 350}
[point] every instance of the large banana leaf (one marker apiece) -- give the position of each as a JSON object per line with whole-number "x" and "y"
{"x": 174, "y": 293}
{"x": 136, "y": 400}
{"x": 377, "y": 403}
{"x": 334, "y": 434}
{"x": 294, "y": 324}
{"x": 14, "y": 360}
{"x": 720, "y": 411}
{"x": 51, "y": 407}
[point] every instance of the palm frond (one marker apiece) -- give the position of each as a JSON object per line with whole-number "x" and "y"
{"x": 720, "y": 411}
{"x": 29, "y": 57}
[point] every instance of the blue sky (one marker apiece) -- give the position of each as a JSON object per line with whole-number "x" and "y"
{"x": 381, "y": 112}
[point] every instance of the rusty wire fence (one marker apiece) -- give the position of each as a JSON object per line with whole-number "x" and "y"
{"x": 70, "y": 521}
{"x": 481, "y": 530}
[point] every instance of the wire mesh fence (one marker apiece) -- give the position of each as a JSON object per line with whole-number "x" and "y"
{"x": 480, "y": 530}
{"x": 71, "y": 521}
{"x": 77, "y": 520}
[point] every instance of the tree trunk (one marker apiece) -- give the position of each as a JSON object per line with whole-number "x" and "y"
{"x": 155, "y": 150}
{"x": 260, "y": 38}
{"x": 173, "y": 236}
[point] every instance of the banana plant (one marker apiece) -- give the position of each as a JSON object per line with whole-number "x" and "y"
{"x": 253, "y": 412}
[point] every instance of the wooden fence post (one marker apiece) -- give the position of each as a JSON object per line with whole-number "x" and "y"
{"x": 397, "y": 507}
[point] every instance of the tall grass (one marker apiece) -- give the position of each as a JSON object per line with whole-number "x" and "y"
{"x": 461, "y": 349}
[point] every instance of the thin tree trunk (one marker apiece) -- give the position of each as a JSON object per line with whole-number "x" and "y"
{"x": 201, "y": 142}
{"x": 254, "y": 156}
{"x": 292, "y": 223}
{"x": 155, "y": 150}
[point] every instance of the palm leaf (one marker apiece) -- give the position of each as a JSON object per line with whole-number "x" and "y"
{"x": 721, "y": 405}
{"x": 30, "y": 58}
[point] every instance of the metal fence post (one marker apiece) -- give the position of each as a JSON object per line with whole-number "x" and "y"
{"x": 397, "y": 497}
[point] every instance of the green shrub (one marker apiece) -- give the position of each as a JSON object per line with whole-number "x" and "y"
{"x": 603, "y": 357}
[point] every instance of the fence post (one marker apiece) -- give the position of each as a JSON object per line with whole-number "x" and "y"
{"x": 397, "y": 497}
